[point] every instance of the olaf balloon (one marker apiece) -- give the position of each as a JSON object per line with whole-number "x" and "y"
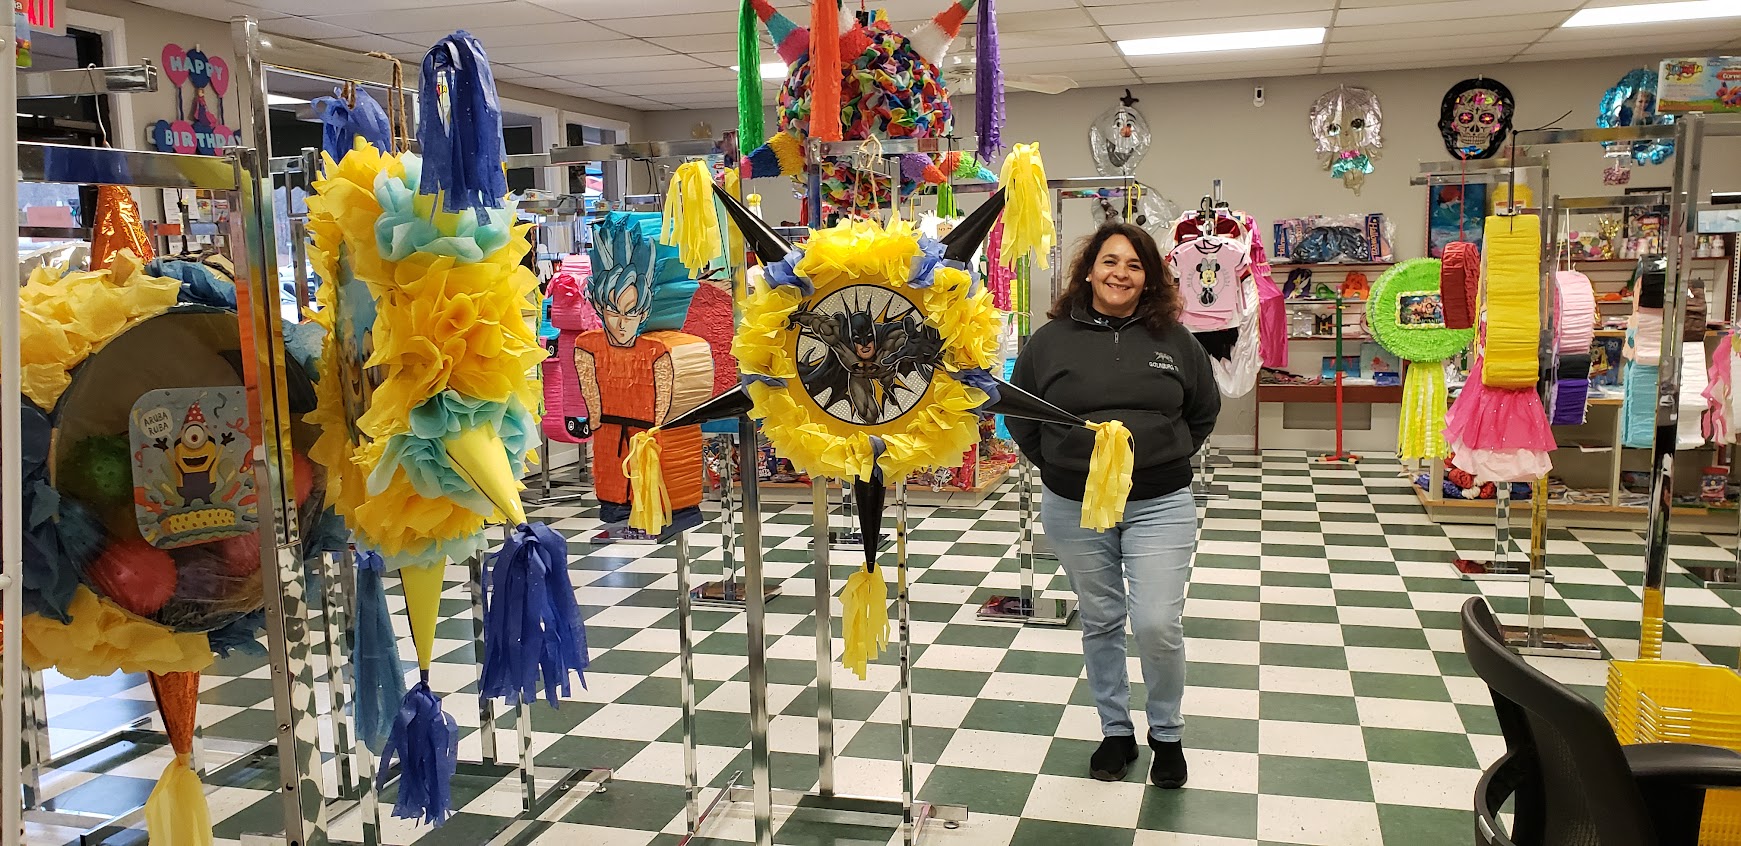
{"x": 1119, "y": 138}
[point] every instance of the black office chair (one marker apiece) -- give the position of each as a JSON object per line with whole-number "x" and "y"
{"x": 1572, "y": 782}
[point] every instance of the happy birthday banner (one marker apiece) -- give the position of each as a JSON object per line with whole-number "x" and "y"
{"x": 196, "y": 128}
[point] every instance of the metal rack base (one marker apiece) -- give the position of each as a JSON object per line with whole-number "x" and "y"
{"x": 835, "y": 808}
{"x": 1048, "y": 611}
{"x": 235, "y": 755}
{"x": 1552, "y": 643}
{"x": 1472, "y": 570}
{"x": 723, "y": 594}
{"x": 1716, "y": 576}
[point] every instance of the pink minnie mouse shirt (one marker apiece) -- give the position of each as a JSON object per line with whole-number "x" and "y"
{"x": 1209, "y": 270}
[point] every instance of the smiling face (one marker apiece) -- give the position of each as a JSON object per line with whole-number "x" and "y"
{"x": 1118, "y": 277}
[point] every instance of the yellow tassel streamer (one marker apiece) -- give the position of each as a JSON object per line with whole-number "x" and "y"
{"x": 789, "y": 152}
{"x": 1421, "y": 431}
{"x": 690, "y": 222}
{"x": 1109, "y": 469}
{"x": 423, "y": 607}
{"x": 1027, "y": 214}
{"x": 1511, "y": 256}
{"x": 864, "y": 621}
{"x": 649, "y": 502}
{"x": 177, "y": 814}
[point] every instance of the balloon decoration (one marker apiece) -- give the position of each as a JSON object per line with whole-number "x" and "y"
{"x": 1345, "y": 124}
{"x": 1475, "y": 116}
{"x": 865, "y": 357}
{"x": 879, "y": 84}
{"x": 1119, "y": 138}
{"x": 1632, "y": 102}
{"x": 425, "y": 408}
{"x": 1406, "y": 315}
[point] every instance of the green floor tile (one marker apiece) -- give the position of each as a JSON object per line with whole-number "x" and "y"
{"x": 1384, "y": 636}
{"x": 1398, "y": 686}
{"x": 1274, "y": 612}
{"x": 882, "y": 741}
{"x": 1449, "y": 748}
{"x": 1424, "y": 826}
{"x": 1284, "y": 578}
{"x": 1064, "y": 664}
{"x": 630, "y": 662}
{"x": 949, "y": 682}
{"x": 1211, "y": 628}
{"x": 1372, "y": 599}
{"x": 997, "y": 636}
{"x": 629, "y": 804}
{"x": 1314, "y": 778}
{"x": 1031, "y": 832}
{"x": 1209, "y": 813}
{"x": 1296, "y": 655}
{"x": 1308, "y": 708}
{"x": 1035, "y": 718}
{"x": 1222, "y": 733}
{"x": 1236, "y": 676}
{"x": 983, "y": 791}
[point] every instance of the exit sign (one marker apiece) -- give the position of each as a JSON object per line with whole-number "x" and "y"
{"x": 46, "y": 16}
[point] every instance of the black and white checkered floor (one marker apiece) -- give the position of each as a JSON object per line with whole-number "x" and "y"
{"x": 1329, "y": 700}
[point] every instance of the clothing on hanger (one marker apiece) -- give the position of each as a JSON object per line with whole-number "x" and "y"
{"x": 1209, "y": 270}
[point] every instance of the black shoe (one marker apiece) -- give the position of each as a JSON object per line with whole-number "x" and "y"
{"x": 1112, "y": 760}
{"x": 1168, "y": 769}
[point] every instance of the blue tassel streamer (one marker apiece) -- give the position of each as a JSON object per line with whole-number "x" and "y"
{"x": 532, "y": 629}
{"x": 426, "y": 741}
{"x": 342, "y": 123}
{"x": 380, "y": 675}
{"x": 461, "y": 127}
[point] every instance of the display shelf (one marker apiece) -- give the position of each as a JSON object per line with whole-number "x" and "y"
{"x": 1444, "y": 509}
{"x": 1345, "y": 338}
{"x": 1328, "y": 264}
{"x": 1321, "y": 301}
{"x": 1326, "y": 393}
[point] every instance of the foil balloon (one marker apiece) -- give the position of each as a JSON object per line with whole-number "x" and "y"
{"x": 1345, "y": 127}
{"x": 1475, "y": 116}
{"x": 1119, "y": 138}
{"x": 1632, "y": 102}
{"x": 1145, "y": 207}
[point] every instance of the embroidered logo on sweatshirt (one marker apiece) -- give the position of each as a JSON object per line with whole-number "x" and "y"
{"x": 1164, "y": 361}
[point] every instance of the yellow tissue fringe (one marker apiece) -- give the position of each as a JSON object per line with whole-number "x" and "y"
{"x": 649, "y": 502}
{"x": 63, "y": 320}
{"x": 789, "y": 152}
{"x": 1421, "y": 431}
{"x": 1027, "y": 215}
{"x": 1109, "y": 469}
{"x": 177, "y": 813}
{"x": 864, "y": 619}
{"x": 440, "y": 325}
{"x": 1510, "y": 278}
{"x": 103, "y": 639}
{"x": 690, "y": 223}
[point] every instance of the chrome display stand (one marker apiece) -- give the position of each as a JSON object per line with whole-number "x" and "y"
{"x": 760, "y": 793}
{"x": 1726, "y": 576}
{"x": 727, "y": 592}
{"x": 308, "y": 810}
{"x": 1027, "y": 607}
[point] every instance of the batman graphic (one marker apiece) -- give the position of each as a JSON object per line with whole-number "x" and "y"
{"x": 867, "y": 357}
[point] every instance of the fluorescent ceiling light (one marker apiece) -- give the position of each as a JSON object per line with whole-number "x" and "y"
{"x": 770, "y": 70}
{"x": 1656, "y": 13}
{"x": 284, "y": 100}
{"x": 1216, "y": 42}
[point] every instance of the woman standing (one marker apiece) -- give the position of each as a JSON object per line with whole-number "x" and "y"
{"x": 1115, "y": 349}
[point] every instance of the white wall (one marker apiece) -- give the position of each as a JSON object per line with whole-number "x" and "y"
{"x": 1264, "y": 156}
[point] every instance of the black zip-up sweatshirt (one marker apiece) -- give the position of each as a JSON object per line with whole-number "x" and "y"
{"x": 1101, "y": 368}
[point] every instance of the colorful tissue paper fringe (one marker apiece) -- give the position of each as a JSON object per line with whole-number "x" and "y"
{"x": 534, "y": 636}
{"x": 1499, "y": 434}
{"x": 1511, "y": 270}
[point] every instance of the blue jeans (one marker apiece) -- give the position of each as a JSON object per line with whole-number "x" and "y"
{"x": 1136, "y": 570}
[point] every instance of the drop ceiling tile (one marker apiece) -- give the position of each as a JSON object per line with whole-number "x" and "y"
{"x": 1443, "y": 62}
{"x": 527, "y": 35}
{"x": 1593, "y": 49}
{"x": 221, "y": 9}
{"x": 1688, "y": 31}
{"x": 1255, "y": 72}
{"x": 657, "y": 88}
{"x": 675, "y": 27}
{"x": 724, "y": 60}
{"x": 371, "y": 43}
{"x": 1452, "y": 10}
{"x": 1403, "y": 45}
{"x": 1007, "y": 6}
{"x": 1124, "y": 22}
{"x": 720, "y": 42}
{"x": 626, "y": 66}
{"x": 1067, "y": 67}
{"x": 1278, "y": 54}
{"x": 1067, "y": 52}
{"x": 611, "y": 80}
{"x": 448, "y": 18}
{"x": 1234, "y": 69}
{"x": 1407, "y": 59}
{"x": 611, "y": 9}
{"x": 1014, "y": 43}
{"x": 1197, "y": 10}
{"x": 1515, "y": 24}
{"x": 1058, "y": 19}
{"x": 308, "y": 29}
{"x": 622, "y": 48}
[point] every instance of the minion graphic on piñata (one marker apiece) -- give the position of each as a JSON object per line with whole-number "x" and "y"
{"x": 196, "y": 458}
